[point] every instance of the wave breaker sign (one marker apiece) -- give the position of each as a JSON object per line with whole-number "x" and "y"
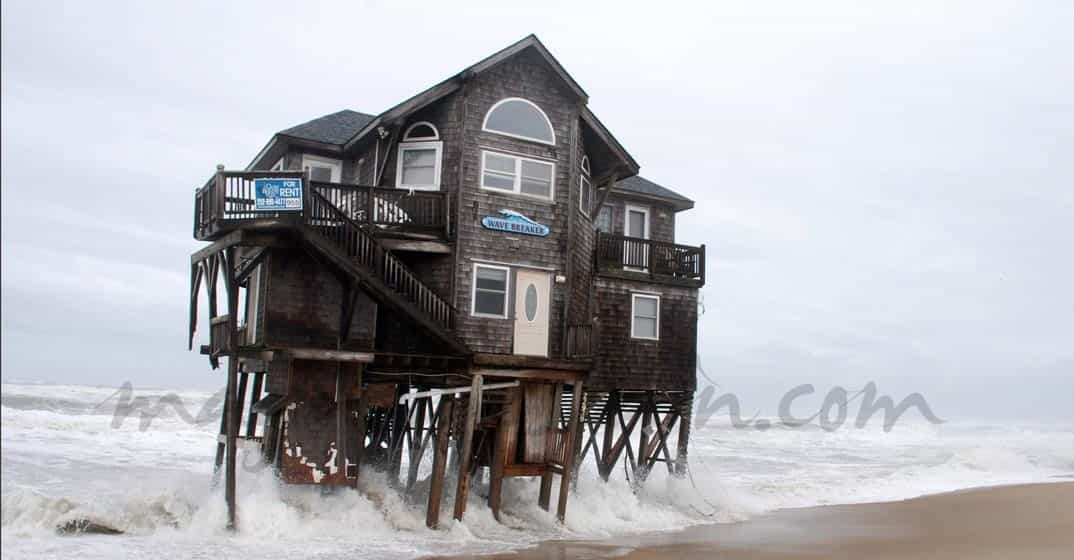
{"x": 277, "y": 195}
{"x": 513, "y": 222}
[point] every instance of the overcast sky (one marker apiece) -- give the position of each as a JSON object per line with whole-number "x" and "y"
{"x": 885, "y": 193}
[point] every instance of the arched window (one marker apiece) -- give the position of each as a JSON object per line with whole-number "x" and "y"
{"x": 418, "y": 160}
{"x": 585, "y": 189}
{"x": 520, "y": 118}
{"x": 421, "y": 131}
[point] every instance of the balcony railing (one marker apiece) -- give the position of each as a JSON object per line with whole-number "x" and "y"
{"x": 226, "y": 202}
{"x": 656, "y": 259}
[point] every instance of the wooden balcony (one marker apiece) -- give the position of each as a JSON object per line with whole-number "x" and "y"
{"x": 644, "y": 259}
{"x": 226, "y": 203}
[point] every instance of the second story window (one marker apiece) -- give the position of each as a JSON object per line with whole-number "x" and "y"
{"x": 322, "y": 169}
{"x": 516, "y": 174}
{"x": 585, "y": 196}
{"x": 520, "y": 118}
{"x": 418, "y": 161}
{"x": 645, "y": 316}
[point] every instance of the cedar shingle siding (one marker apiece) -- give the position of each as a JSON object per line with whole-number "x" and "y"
{"x": 303, "y": 297}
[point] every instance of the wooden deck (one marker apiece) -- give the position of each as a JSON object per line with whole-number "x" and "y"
{"x": 652, "y": 261}
{"x": 226, "y": 203}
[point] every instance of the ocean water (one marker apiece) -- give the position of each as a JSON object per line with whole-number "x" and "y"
{"x": 63, "y": 458}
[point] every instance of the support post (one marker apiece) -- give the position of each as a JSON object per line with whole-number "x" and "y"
{"x": 232, "y": 375}
{"x": 467, "y": 455}
{"x": 569, "y": 451}
{"x": 255, "y": 395}
{"x": 360, "y": 425}
{"x": 443, "y": 436}
{"x": 240, "y": 395}
{"x": 417, "y": 449}
{"x": 611, "y": 406}
{"x": 647, "y": 407}
{"x": 684, "y": 437}
{"x": 400, "y": 419}
{"x": 545, "y": 496}
{"x": 506, "y": 439}
{"x": 341, "y": 421}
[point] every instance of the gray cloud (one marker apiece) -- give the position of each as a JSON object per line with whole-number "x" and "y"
{"x": 885, "y": 192}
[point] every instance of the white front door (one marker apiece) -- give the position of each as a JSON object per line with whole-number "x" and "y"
{"x": 532, "y": 294}
{"x": 636, "y": 254}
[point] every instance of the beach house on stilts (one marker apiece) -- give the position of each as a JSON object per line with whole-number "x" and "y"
{"x": 473, "y": 281}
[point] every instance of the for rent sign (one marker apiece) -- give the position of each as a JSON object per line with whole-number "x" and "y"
{"x": 277, "y": 195}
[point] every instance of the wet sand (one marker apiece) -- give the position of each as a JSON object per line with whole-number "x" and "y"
{"x": 1026, "y": 522}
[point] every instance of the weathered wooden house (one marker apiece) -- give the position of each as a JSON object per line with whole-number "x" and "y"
{"x": 475, "y": 277}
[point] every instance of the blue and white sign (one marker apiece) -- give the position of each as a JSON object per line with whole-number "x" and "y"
{"x": 513, "y": 222}
{"x": 277, "y": 195}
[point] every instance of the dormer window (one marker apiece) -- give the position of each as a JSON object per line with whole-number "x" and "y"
{"x": 520, "y": 118}
{"x": 418, "y": 161}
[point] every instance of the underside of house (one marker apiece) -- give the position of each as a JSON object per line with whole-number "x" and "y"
{"x": 474, "y": 282}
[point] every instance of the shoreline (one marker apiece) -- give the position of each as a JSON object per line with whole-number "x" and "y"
{"x": 1023, "y": 520}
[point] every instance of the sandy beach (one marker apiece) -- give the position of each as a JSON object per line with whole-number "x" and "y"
{"x": 1024, "y": 522}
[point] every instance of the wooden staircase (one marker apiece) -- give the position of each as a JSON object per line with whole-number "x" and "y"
{"x": 380, "y": 273}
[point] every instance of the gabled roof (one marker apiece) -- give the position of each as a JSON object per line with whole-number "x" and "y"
{"x": 336, "y": 128}
{"x": 638, "y": 185}
{"x": 340, "y": 132}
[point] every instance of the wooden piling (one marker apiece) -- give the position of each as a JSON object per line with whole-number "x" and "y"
{"x": 569, "y": 451}
{"x": 255, "y": 395}
{"x": 545, "y": 496}
{"x": 506, "y": 442}
{"x": 467, "y": 455}
{"x": 443, "y": 437}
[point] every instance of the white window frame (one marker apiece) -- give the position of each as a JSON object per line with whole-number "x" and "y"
{"x": 552, "y": 129}
{"x": 585, "y": 208}
{"x": 403, "y": 147}
{"x": 634, "y": 296}
{"x": 517, "y": 188}
{"x": 435, "y": 136}
{"x": 278, "y": 166}
{"x": 335, "y": 165}
{"x": 506, "y": 293}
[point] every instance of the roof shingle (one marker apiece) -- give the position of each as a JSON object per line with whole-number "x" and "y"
{"x": 640, "y": 185}
{"x": 336, "y": 128}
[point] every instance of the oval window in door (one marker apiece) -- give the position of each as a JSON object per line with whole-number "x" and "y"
{"x": 531, "y": 303}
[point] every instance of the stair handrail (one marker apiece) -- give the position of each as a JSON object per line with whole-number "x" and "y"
{"x": 362, "y": 247}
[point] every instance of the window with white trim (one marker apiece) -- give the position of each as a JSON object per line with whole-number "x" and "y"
{"x": 418, "y": 160}
{"x": 490, "y": 291}
{"x": 322, "y": 169}
{"x": 520, "y": 118}
{"x": 585, "y": 196}
{"x": 645, "y": 316}
{"x": 515, "y": 174}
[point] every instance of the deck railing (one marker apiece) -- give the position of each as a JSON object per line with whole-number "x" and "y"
{"x": 615, "y": 253}
{"x": 335, "y": 225}
{"x": 227, "y": 201}
{"x": 391, "y": 208}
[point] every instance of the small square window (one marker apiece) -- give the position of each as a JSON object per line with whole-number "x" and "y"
{"x": 645, "y": 316}
{"x": 490, "y": 291}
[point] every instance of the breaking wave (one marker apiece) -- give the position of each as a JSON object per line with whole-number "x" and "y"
{"x": 64, "y": 462}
